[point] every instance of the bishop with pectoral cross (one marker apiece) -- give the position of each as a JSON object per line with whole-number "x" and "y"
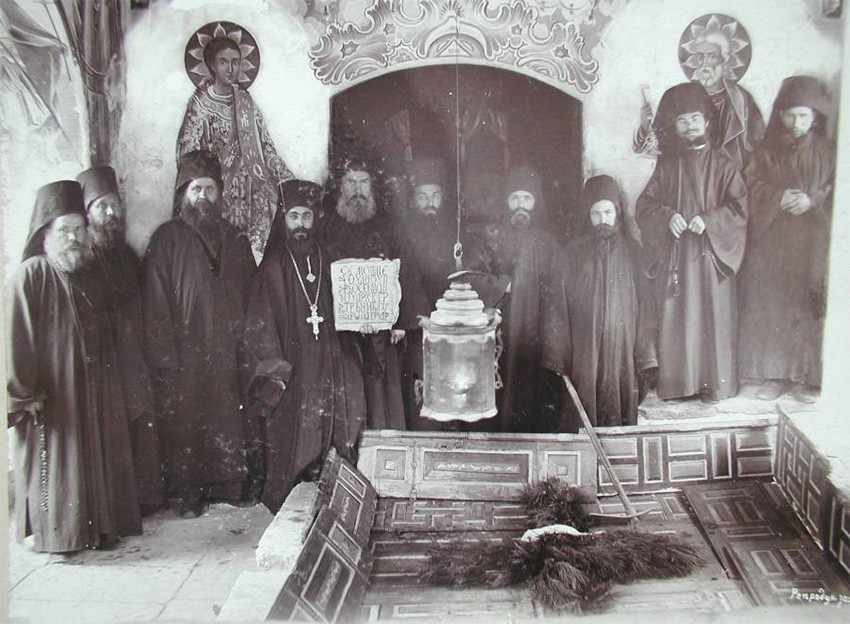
{"x": 290, "y": 336}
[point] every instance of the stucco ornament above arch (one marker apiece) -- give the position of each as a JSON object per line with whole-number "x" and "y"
{"x": 546, "y": 38}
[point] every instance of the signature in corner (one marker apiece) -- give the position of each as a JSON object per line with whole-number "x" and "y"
{"x": 819, "y": 597}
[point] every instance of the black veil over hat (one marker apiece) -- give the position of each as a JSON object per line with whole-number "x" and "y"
{"x": 52, "y": 201}
{"x": 687, "y": 97}
{"x": 193, "y": 165}
{"x": 291, "y": 194}
{"x": 798, "y": 91}
{"x": 97, "y": 182}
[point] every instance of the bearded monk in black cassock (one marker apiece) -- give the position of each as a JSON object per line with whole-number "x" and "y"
{"x": 693, "y": 217}
{"x": 783, "y": 281}
{"x": 430, "y": 227}
{"x": 304, "y": 381}
{"x": 122, "y": 272}
{"x": 358, "y": 227}
{"x": 592, "y": 324}
{"x": 197, "y": 272}
{"x": 74, "y": 481}
{"x": 518, "y": 256}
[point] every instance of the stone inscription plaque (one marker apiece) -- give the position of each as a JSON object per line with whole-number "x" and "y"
{"x": 366, "y": 294}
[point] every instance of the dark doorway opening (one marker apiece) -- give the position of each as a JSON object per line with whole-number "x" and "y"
{"x": 504, "y": 120}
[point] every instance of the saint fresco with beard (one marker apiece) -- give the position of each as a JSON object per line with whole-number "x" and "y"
{"x": 594, "y": 316}
{"x": 518, "y": 256}
{"x": 304, "y": 383}
{"x": 197, "y": 271}
{"x": 74, "y": 478}
{"x": 122, "y": 273}
{"x": 359, "y": 227}
{"x": 783, "y": 281}
{"x": 693, "y": 221}
{"x": 713, "y": 62}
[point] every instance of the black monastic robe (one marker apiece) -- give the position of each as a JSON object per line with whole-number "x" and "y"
{"x": 591, "y": 328}
{"x": 525, "y": 260}
{"x": 378, "y": 358}
{"x": 783, "y": 279}
{"x": 431, "y": 240}
{"x": 194, "y": 308}
{"x": 122, "y": 274}
{"x": 74, "y": 480}
{"x": 697, "y": 321}
{"x": 324, "y": 403}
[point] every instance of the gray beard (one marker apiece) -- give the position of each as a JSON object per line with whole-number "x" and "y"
{"x": 356, "y": 209}
{"x": 69, "y": 260}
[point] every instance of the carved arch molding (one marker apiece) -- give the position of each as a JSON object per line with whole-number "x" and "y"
{"x": 551, "y": 38}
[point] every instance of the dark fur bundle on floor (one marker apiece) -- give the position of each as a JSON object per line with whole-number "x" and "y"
{"x": 553, "y": 501}
{"x": 565, "y": 572}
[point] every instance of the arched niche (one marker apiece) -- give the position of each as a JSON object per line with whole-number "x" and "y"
{"x": 504, "y": 118}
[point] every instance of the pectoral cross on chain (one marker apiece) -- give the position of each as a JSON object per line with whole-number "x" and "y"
{"x": 314, "y": 319}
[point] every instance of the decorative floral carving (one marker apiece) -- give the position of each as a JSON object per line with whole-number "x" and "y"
{"x": 395, "y": 32}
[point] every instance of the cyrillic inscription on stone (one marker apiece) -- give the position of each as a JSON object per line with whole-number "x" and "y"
{"x": 366, "y": 294}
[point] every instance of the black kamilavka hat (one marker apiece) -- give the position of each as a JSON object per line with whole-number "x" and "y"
{"x": 52, "y": 201}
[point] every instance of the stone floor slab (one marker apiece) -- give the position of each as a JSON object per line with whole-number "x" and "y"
{"x": 121, "y": 584}
{"x": 190, "y": 611}
{"x": 75, "y": 612}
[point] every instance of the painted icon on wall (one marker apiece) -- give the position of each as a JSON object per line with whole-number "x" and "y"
{"x": 197, "y": 69}
{"x": 713, "y": 48}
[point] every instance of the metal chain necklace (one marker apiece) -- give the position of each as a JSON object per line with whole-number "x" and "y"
{"x": 314, "y": 319}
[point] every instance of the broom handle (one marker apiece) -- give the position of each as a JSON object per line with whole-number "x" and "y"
{"x": 621, "y": 493}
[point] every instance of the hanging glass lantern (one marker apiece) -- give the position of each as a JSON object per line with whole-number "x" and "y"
{"x": 459, "y": 353}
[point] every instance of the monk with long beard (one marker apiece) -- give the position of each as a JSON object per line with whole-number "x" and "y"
{"x": 75, "y": 485}
{"x": 360, "y": 228}
{"x": 122, "y": 273}
{"x": 198, "y": 269}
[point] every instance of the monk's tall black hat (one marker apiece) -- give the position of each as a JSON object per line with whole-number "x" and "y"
{"x": 601, "y": 187}
{"x": 52, "y": 201}
{"x": 680, "y": 99}
{"x": 198, "y": 164}
{"x": 97, "y": 182}
{"x": 193, "y": 165}
{"x": 801, "y": 91}
{"x": 426, "y": 170}
{"x": 797, "y": 91}
{"x": 687, "y": 97}
{"x": 300, "y": 193}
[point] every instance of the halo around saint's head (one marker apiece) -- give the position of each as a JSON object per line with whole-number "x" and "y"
{"x": 723, "y": 31}
{"x": 194, "y": 55}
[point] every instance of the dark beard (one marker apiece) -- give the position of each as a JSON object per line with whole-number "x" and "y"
{"x": 107, "y": 235}
{"x": 200, "y": 211}
{"x": 695, "y": 143}
{"x": 299, "y": 246}
{"x": 521, "y": 219}
{"x": 603, "y": 231}
{"x": 357, "y": 208}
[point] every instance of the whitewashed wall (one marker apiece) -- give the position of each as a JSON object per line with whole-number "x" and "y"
{"x": 639, "y": 47}
{"x": 294, "y": 104}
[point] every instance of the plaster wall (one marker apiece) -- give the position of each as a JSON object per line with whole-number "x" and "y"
{"x": 638, "y": 48}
